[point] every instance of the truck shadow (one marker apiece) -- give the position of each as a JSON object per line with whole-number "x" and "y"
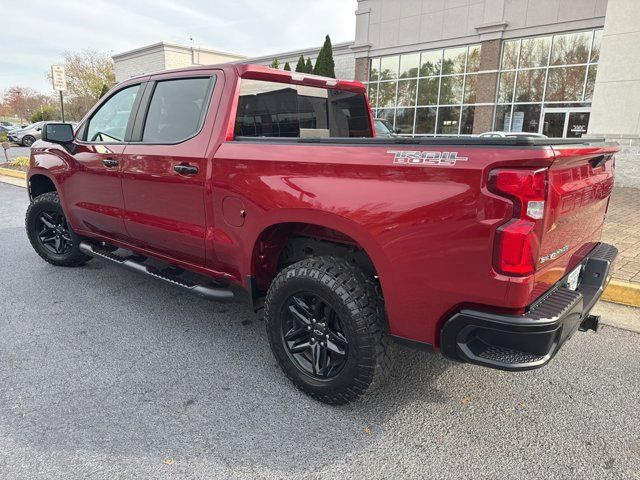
{"x": 125, "y": 366}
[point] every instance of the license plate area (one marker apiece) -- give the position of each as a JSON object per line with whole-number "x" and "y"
{"x": 573, "y": 279}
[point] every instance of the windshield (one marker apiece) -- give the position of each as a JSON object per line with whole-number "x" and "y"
{"x": 383, "y": 127}
{"x": 32, "y": 126}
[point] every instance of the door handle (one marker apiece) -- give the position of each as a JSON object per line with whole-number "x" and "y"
{"x": 110, "y": 162}
{"x": 183, "y": 169}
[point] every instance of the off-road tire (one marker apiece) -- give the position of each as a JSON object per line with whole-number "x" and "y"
{"x": 356, "y": 298}
{"x": 51, "y": 202}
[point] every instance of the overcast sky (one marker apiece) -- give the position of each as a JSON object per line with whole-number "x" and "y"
{"x": 42, "y": 30}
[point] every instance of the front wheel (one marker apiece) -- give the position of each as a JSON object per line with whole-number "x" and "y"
{"x": 327, "y": 328}
{"x": 28, "y": 140}
{"x": 50, "y": 235}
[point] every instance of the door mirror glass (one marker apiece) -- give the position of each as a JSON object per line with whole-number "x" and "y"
{"x": 61, "y": 133}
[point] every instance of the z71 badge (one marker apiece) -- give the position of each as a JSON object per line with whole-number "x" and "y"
{"x": 445, "y": 159}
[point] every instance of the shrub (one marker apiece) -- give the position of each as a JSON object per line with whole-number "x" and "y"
{"x": 20, "y": 162}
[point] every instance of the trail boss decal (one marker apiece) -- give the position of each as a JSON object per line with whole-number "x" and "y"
{"x": 445, "y": 159}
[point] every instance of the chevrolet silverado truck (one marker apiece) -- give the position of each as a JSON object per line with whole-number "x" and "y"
{"x": 237, "y": 178}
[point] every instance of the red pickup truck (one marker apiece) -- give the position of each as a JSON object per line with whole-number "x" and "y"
{"x": 226, "y": 178}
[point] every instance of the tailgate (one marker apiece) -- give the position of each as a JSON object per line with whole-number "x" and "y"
{"x": 579, "y": 186}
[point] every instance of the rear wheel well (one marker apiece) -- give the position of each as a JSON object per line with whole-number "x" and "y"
{"x": 39, "y": 184}
{"x": 286, "y": 243}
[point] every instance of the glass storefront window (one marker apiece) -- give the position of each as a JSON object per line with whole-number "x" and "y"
{"x": 534, "y": 52}
{"x": 407, "y": 93}
{"x": 554, "y": 75}
{"x": 530, "y": 85}
{"x": 428, "y": 91}
{"x": 510, "y": 51}
{"x": 451, "y": 90}
{"x": 526, "y": 118}
{"x": 473, "y": 60}
{"x": 404, "y": 120}
{"x": 372, "y": 93}
{"x": 426, "y": 121}
{"x": 454, "y": 60}
{"x": 430, "y": 63}
{"x": 565, "y": 84}
{"x": 466, "y": 125}
{"x": 409, "y": 65}
{"x": 374, "y": 69}
{"x": 387, "y": 94}
{"x": 591, "y": 83}
{"x": 503, "y": 116}
{"x": 386, "y": 114}
{"x": 595, "y": 49}
{"x": 470, "y": 89}
{"x": 571, "y": 48}
{"x": 505, "y": 87}
{"x": 389, "y": 68}
{"x": 448, "y": 120}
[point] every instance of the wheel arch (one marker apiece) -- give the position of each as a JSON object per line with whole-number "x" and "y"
{"x": 264, "y": 257}
{"x": 39, "y": 183}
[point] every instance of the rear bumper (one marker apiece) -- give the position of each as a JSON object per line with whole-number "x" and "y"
{"x": 523, "y": 342}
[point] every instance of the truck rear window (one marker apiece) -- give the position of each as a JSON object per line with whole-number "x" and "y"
{"x": 271, "y": 109}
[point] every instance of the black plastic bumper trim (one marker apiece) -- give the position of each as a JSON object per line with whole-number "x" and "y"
{"x": 523, "y": 342}
{"x": 413, "y": 344}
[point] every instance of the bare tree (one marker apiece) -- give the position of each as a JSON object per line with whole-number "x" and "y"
{"x": 23, "y": 101}
{"x": 89, "y": 73}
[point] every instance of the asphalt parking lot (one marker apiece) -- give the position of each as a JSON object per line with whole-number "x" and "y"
{"x": 14, "y": 152}
{"x": 106, "y": 374}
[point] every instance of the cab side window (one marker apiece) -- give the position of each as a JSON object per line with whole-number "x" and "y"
{"x": 176, "y": 110}
{"x": 109, "y": 123}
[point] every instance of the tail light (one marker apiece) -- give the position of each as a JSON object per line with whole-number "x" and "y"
{"x": 518, "y": 240}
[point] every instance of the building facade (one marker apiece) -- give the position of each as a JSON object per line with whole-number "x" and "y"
{"x": 165, "y": 56}
{"x": 470, "y": 66}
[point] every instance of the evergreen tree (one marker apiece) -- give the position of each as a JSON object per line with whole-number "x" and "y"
{"x": 308, "y": 67}
{"x": 301, "y": 67}
{"x": 325, "y": 65}
{"x": 287, "y": 67}
{"x": 275, "y": 63}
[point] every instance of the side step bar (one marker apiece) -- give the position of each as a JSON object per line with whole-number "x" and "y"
{"x": 169, "y": 275}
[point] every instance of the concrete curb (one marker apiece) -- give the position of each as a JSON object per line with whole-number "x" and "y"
{"x": 13, "y": 173}
{"x": 622, "y": 292}
{"x": 16, "y": 182}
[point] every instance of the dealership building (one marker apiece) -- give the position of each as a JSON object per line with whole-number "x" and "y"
{"x": 563, "y": 68}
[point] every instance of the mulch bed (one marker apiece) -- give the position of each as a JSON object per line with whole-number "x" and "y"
{"x": 14, "y": 167}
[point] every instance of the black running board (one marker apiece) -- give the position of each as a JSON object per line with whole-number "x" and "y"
{"x": 219, "y": 294}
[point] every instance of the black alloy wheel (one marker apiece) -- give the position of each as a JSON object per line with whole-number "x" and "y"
{"x": 53, "y": 232}
{"x": 314, "y": 336}
{"x": 50, "y": 234}
{"x": 327, "y": 328}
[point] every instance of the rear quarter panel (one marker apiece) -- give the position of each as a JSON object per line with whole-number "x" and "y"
{"x": 428, "y": 229}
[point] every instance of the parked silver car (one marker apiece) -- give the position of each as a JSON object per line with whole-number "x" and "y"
{"x": 29, "y": 134}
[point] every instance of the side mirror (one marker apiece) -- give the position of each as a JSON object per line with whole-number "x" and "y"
{"x": 397, "y": 130}
{"x": 61, "y": 133}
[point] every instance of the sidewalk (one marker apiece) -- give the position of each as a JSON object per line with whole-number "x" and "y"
{"x": 622, "y": 229}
